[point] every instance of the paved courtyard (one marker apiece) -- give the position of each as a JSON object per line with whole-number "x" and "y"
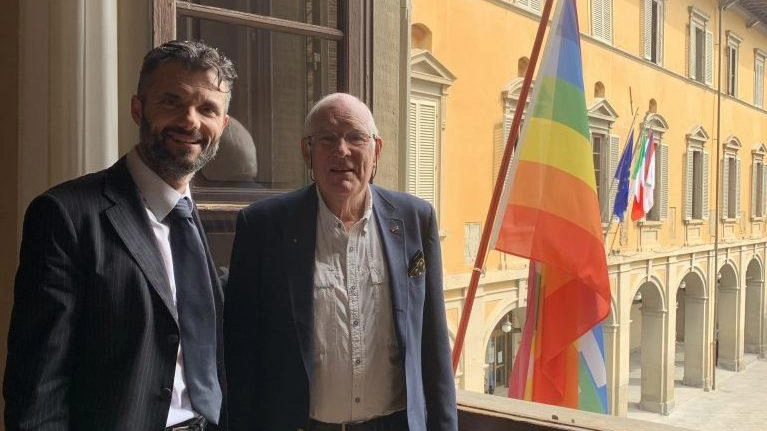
{"x": 738, "y": 403}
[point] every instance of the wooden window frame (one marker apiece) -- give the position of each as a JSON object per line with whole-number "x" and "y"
{"x": 355, "y": 71}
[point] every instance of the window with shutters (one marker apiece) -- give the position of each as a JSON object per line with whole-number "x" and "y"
{"x": 602, "y": 20}
{"x": 733, "y": 44}
{"x": 701, "y": 42}
{"x": 510, "y": 96}
{"x": 731, "y": 180}
{"x": 428, "y": 88}
{"x": 696, "y": 176}
{"x": 759, "y": 60}
{"x": 531, "y": 5}
{"x": 659, "y": 126}
{"x": 652, "y": 30}
{"x": 758, "y": 182}
{"x": 606, "y": 153}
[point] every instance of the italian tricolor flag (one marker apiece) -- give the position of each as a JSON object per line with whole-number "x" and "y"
{"x": 644, "y": 179}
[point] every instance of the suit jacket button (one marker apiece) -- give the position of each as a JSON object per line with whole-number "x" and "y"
{"x": 166, "y": 393}
{"x": 173, "y": 338}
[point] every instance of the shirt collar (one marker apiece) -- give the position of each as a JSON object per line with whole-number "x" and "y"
{"x": 159, "y": 197}
{"x": 326, "y": 217}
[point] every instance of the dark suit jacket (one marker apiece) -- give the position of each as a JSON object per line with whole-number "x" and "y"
{"x": 94, "y": 332}
{"x": 268, "y": 318}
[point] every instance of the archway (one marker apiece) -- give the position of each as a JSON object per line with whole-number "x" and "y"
{"x": 691, "y": 302}
{"x": 649, "y": 365}
{"x": 501, "y": 349}
{"x": 754, "y": 324}
{"x": 729, "y": 351}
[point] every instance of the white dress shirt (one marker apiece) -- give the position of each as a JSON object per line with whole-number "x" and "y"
{"x": 358, "y": 371}
{"x": 159, "y": 199}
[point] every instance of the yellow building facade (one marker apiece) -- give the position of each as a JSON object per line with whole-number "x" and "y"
{"x": 688, "y": 279}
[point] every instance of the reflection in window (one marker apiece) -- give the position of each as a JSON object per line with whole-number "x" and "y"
{"x": 281, "y": 75}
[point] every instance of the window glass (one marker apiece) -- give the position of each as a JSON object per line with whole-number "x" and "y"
{"x": 318, "y": 12}
{"x": 280, "y": 76}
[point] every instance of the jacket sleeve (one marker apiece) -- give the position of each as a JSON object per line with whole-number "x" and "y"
{"x": 240, "y": 331}
{"x": 436, "y": 364}
{"x": 42, "y": 330}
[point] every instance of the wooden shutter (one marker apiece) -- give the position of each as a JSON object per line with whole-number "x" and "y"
{"x": 763, "y": 179}
{"x": 759, "y": 82}
{"x": 754, "y": 181}
{"x": 597, "y": 20}
{"x": 412, "y": 147}
{"x": 706, "y": 161}
{"x": 612, "y": 165}
{"x": 688, "y": 184}
{"x": 663, "y": 213}
{"x": 422, "y": 159}
{"x": 725, "y": 187}
{"x": 607, "y": 20}
{"x": 660, "y": 25}
{"x": 691, "y": 55}
{"x": 709, "y": 57}
{"x": 647, "y": 29}
{"x": 535, "y": 5}
{"x": 737, "y": 187}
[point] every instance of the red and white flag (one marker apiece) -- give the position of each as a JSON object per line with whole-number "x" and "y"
{"x": 644, "y": 183}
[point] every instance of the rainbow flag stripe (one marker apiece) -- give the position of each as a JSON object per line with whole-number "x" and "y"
{"x": 551, "y": 216}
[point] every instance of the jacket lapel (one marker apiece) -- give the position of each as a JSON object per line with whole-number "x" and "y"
{"x": 391, "y": 229}
{"x": 301, "y": 236}
{"x": 131, "y": 223}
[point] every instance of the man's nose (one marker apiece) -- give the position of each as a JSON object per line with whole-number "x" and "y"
{"x": 189, "y": 118}
{"x": 342, "y": 147}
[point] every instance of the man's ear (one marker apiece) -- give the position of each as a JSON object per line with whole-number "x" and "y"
{"x": 378, "y": 146}
{"x": 136, "y": 109}
{"x": 306, "y": 151}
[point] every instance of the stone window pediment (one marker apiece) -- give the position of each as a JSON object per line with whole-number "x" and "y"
{"x": 425, "y": 66}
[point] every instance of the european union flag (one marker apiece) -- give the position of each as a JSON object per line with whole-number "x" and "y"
{"x": 622, "y": 175}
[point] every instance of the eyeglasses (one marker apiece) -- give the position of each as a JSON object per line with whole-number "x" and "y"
{"x": 354, "y": 138}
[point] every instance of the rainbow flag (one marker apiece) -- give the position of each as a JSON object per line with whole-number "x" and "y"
{"x": 551, "y": 216}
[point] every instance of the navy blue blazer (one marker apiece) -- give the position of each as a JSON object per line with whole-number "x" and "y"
{"x": 268, "y": 316}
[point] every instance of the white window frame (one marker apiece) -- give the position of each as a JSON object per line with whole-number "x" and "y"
{"x": 700, "y": 56}
{"x": 602, "y": 20}
{"x": 535, "y": 6}
{"x": 760, "y": 59}
{"x": 758, "y": 183}
{"x": 696, "y": 192}
{"x": 601, "y": 116}
{"x": 730, "y": 160}
{"x": 648, "y": 35}
{"x": 429, "y": 84}
{"x": 733, "y": 58}
{"x": 659, "y": 126}
{"x": 510, "y": 96}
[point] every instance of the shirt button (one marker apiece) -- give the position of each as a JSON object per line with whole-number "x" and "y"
{"x": 357, "y": 400}
{"x": 356, "y": 322}
{"x": 357, "y": 361}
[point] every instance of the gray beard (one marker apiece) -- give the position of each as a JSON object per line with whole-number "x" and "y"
{"x": 163, "y": 162}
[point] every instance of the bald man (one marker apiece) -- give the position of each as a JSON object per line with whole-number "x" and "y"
{"x": 335, "y": 316}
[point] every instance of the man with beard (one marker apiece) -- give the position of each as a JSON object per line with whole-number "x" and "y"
{"x": 116, "y": 323}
